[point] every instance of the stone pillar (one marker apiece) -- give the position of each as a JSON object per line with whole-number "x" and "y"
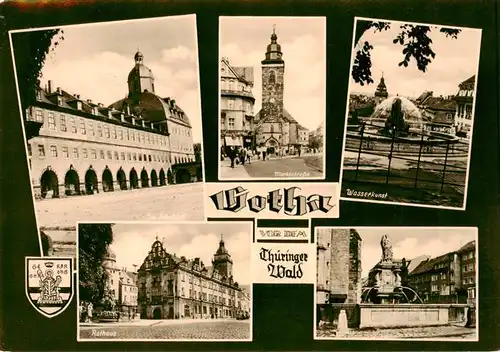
{"x": 82, "y": 188}
{"x": 128, "y": 184}
{"x": 62, "y": 191}
{"x": 342, "y": 324}
{"x": 116, "y": 186}
{"x": 99, "y": 188}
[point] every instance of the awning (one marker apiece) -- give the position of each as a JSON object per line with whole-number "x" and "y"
{"x": 231, "y": 142}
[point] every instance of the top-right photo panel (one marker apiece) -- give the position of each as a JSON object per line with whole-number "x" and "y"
{"x": 410, "y": 113}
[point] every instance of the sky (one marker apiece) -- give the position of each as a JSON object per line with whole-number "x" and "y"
{"x": 95, "y": 60}
{"x": 456, "y": 60}
{"x": 410, "y": 243}
{"x": 243, "y": 40}
{"x": 132, "y": 243}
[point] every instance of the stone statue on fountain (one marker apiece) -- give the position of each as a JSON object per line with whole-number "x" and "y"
{"x": 386, "y": 245}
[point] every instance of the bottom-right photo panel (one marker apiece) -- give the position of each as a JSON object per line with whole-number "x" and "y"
{"x": 396, "y": 283}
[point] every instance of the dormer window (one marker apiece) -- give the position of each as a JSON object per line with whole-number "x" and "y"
{"x": 59, "y": 100}
{"x": 79, "y": 105}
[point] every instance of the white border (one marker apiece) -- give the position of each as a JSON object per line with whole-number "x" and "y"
{"x": 347, "y": 115}
{"x": 219, "y": 58}
{"x": 166, "y": 223}
{"x": 71, "y": 279}
{"x": 408, "y": 338}
{"x": 88, "y": 25}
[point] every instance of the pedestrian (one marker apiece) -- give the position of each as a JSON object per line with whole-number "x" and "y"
{"x": 231, "y": 156}
{"x": 89, "y": 312}
{"x": 300, "y": 149}
{"x": 263, "y": 154}
{"x": 249, "y": 155}
{"x": 243, "y": 156}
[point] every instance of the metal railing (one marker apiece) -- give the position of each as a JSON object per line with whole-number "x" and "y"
{"x": 431, "y": 159}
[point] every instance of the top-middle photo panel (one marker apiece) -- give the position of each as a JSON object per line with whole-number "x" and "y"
{"x": 272, "y": 106}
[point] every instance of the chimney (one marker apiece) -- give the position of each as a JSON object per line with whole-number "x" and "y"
{"x": 59, "y": 90}
{"x": 50, "y": 87}
{"x": 89, "y": 101}
{"x": 77, "y": 96}
{"x": 173, "y": 103}
{"x": 100, "y": 105}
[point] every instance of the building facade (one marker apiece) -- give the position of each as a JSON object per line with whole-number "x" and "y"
{"x": 236, "y": 106}
{"x": 121, "y": 286}
{"x": 83, "y": 147}
{"x": 449, "y": 278}
{"x": 275, "y": 128}
{"x": 176, "y": 288}
{"x": 338, "y": 277}
{"x": 464, "y": 107}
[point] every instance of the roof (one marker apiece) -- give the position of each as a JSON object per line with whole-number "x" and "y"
{"x": 286, "y": 115}
{"x": 469, "y": 246}
{"x": 443, "y": 117}
{"x": 152, "y": 107}
{"x": 428, "y": 265}
{"x": 424, "y": 96}
{"x": 468, "y": 83}
{"x": 440, "y": 103}
{"x": 242, "y": 73}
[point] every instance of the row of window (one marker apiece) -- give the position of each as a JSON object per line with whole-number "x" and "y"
{"x": 208, "y": 298}
{"x": 106, "y": 130}
{"x": 206, "y": 283}
{"x": 469, "y": 255}
{"x": 468, "y": 267}
{"x": 103, "y": 154}
{"x": 468, "y": 280}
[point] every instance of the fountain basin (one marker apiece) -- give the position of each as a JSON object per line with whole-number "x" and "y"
{"x": 405, "y": 315}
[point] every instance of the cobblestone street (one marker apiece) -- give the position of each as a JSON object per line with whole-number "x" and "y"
{"x": 170, "y": 329}
{"x": 426, "y": 332}
{"x": 173, "y": 202}
{"x": 287, "y": 167}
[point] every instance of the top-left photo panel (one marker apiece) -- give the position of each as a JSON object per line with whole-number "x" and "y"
{"x": 111, "y": 114}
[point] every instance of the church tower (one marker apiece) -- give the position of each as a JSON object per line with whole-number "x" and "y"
{"x": 140, "y": 79}
{"x": 222, "y": 260}
{"x": 381, "y": 91}
{"x": 273, "y": 71}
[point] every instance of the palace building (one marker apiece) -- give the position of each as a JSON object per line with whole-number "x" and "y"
{"x": 172, "y": 287}
{"x": 237, "y": 101}
{"x": 275, "y": 128}
{"x": 82, "y": 147}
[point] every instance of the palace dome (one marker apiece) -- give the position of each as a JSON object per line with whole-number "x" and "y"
{"x": 412, "y": 114}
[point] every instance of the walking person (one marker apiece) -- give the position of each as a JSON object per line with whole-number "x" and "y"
{"x": 232, "y": 155}
{"x": 249, "y": 155}
{"x": 243, "y": 156}
{"x": 263, "y": 153}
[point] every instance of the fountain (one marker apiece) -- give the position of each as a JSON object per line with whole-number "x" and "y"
{"x": 395, "y": 120}
{"x": 388, "y": 302}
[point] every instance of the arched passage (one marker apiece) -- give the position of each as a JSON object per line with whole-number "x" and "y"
{"x": 144, "y": 178}
{"x": 71, "y": 183}
{"x": 134, "y": 180}
{"x": 90, "y": 182}
{"x": 170, "y": 177}
{"x": 122, "y": 179}
{"x": 182, "y": 176}
{"x": 107, "y": 181}
{"x": 154, "y": 178}
{"x": 157, "y": 313}
{"x": 49, "y": 184}
{"x": 162, "y": 177}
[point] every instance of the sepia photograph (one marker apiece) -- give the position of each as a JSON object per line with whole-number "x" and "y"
{"x": 272, "y": 98}
{"x": 395, "y": 283}
{"x": 186, "y": 281}
{"x": 410, "y": 113}
{"x": 112, "y": 123}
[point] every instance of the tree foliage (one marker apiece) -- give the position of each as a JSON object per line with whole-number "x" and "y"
{"x": 414, "y": 39}
{"x": 94, "y": 240}
{"x": 197, "y": 151}
{"x": 30, "y": 50}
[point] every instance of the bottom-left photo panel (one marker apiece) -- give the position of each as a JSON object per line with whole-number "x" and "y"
{"x": 164, "y": 281}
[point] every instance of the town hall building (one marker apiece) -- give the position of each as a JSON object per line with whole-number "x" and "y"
{"x": 172, "y": 287}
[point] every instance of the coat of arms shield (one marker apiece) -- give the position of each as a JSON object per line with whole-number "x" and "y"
{"x": 49, "y": 284}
